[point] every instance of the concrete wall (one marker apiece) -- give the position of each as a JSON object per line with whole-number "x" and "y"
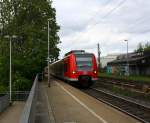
{"x": 28, "y": 114}
{"x": 148, "y": 70}
{"x": 4, "y": 102}
{"x": 134, "y": 69}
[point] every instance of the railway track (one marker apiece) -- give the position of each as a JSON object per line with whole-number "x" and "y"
{"x": 138, "y": 111}
{"x": 135, "y": 86}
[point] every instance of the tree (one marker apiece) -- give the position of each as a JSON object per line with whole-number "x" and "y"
{"x": 28, "y": 20}
{"x": 147, "y": 47}
{"x": 140, "y": 48}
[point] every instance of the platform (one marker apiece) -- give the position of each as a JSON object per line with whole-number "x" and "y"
{"x": 67, "y": 104}
{"x": 12, "y": 113}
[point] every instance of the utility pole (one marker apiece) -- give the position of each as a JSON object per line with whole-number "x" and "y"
{"x": 99, "y": 54}
{"x": 128, "y": 69}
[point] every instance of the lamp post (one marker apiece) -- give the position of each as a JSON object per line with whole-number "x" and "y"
{"x": 127, "y": 59}
{"x": 10, "y": 65}
{"x": 48, "y": 58}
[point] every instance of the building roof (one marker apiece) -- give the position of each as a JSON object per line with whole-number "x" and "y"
{"x": 132, "y": 58}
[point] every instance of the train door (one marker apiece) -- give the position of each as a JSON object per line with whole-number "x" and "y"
{"x": 66, "y": 67}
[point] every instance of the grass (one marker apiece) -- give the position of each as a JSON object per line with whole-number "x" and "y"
{"x": 125, "y": 92}
{"x": 145, "y": 79}
{"x": 128, "y": 93}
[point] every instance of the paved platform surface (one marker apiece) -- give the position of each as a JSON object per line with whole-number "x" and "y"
{"x": 67, "y": 104}
{"x": 12, "y": 114}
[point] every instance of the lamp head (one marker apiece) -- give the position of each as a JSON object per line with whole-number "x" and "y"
{"x": 8, "y": 36}
{"x": 50, "y": 19}
{"x": 14, "y": 36}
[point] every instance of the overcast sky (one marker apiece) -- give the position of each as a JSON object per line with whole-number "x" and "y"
{"x": 84, "y": 23}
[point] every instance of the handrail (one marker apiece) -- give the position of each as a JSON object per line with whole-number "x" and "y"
{"x": 28, "y": 114}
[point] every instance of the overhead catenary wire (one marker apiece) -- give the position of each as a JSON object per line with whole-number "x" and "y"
{"x": 106, "y": 15}
{"x": 140, "y": 20}
{"x": 111, "y": 11}
{"x": 115, "y": 8}
{"x": 106, "y": 5}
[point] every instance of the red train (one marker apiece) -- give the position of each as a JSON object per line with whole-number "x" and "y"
{"x": 77, "y": 66}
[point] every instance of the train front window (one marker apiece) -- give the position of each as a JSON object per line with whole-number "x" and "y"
{"x": 84, "y": 62}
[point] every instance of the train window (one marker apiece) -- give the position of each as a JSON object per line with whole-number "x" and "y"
{"x": 84, "y": 62}
{"x": 65, "y": 67}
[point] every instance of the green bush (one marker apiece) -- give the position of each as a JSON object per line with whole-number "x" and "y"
{"x": 3, "y": 89}
{"x": 21, "y": 84}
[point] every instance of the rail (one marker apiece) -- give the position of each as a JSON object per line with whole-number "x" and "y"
{"x": 138, "y": 111}
{"x": 28, "y": 114}
{"x": 141, "y": 89}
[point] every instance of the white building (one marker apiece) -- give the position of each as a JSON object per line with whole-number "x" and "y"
{"x": 110, "y": 57}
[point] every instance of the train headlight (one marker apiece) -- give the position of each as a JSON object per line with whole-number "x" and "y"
{"x": 95, "y": 71}
{"x": 73, "y": 72}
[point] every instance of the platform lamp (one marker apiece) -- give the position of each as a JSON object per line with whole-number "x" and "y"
{"x": 10, "y": 64}
{"x": 48, "y": 58}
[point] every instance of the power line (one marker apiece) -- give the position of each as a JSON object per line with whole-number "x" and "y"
{"x": 106, "y": 4}
{"x": 137, "y": 22}
{"x": 115, "y": 8}
{"x": 112, "y": 10}
{"x": 107, "y": 14}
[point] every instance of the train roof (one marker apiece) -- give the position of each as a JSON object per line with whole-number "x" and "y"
{"x": 75, "y": 52}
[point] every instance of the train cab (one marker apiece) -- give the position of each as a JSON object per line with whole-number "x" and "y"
{"x": 77, "y": 66}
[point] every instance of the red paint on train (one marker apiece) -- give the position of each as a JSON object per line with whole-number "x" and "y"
{"x": 76, "y": 66}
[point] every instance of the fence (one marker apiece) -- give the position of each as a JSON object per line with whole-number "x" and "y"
{"x": 17, "y": 95}
{"x": 20, "y": 95}
{"x": 4, "y": 102}
{"x": 28, "y": 114}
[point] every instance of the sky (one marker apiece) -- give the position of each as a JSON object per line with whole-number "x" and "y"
{"x": 84, "y": 23}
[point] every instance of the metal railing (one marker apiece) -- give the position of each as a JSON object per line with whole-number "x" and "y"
{"x": 28, "y": 114}
{"x": 4, "y": 102}
{"x": 20, "y": 95}
{"x": 17, "y": 95}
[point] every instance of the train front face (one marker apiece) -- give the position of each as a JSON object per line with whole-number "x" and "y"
{"x": 86, "y": 69}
